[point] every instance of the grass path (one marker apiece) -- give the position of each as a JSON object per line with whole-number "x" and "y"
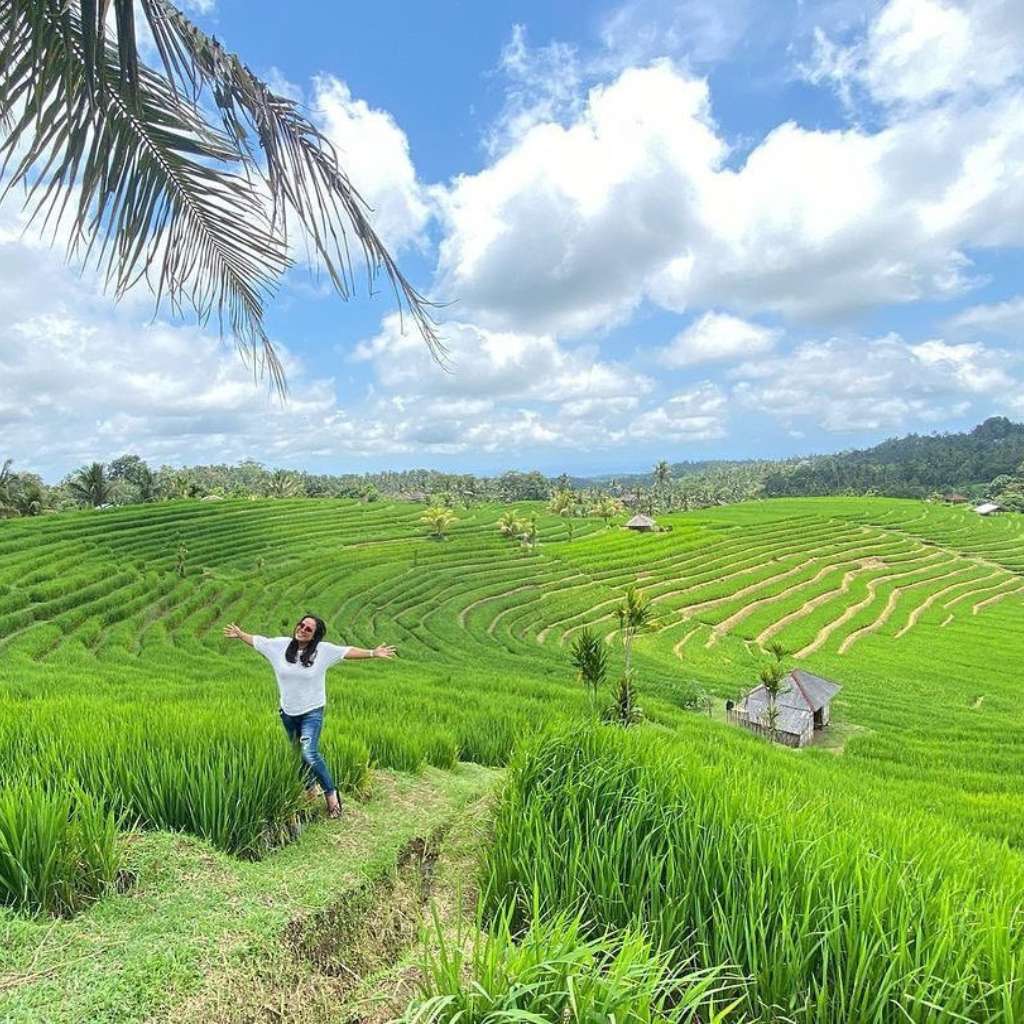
{"x": 195, "y": 914}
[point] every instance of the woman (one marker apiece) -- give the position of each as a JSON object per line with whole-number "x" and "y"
{"x": 301, "y": 665}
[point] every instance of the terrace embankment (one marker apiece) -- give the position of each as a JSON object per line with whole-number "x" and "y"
{"x": 205, "y": 936}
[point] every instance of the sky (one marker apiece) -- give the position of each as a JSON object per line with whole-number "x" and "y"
{"x": 661, "y": 229}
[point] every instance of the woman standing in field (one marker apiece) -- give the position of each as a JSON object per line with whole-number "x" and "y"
{"x": 300, "y": 664}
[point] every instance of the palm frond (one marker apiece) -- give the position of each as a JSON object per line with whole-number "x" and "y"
{"x": 302, "y": 168}
{"x": 123, "y": 157}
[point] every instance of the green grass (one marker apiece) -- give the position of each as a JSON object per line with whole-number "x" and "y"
{"x": 116, "y": 686}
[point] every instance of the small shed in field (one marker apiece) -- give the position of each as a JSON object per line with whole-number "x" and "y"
{"x": 955, "y": 499}
{"x": 804, "y": 705}
{"x": 988, "y": 508}
{"x": 645, "y": 524}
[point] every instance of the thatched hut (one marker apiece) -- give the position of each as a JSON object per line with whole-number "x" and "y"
{"x": 642, "y": 523}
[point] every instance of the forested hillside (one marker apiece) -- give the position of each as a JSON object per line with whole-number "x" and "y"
{"x": 911, "y": 466}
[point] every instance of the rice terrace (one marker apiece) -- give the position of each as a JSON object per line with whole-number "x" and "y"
{"x": 880, "y": 869}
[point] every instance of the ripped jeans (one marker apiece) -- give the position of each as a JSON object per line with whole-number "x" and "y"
{"x": 304, "y": 730}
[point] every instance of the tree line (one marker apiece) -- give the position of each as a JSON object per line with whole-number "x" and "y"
{"x": 986, "y": 463}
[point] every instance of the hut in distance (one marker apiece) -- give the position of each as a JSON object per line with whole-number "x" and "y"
{"x": 988, "y": 508}
{"x": 642, "y": 524}
{"x": 803, "y": 705}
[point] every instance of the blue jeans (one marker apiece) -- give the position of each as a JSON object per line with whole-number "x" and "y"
{"x": 305, "y": 731}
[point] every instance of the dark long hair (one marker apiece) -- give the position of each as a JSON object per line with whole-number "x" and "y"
{"x": 309, "y": 653}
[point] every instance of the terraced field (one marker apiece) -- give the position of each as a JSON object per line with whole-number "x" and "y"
{"x": 115, "y": 680}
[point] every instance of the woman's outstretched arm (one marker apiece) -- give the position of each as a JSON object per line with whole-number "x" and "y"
{"x": 236, "y": 632}
{"x": 380, "y": 651}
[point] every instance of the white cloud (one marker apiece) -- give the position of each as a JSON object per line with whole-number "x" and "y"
{"x": 718, "y": 336}
{"x": 73, "y": 389}
{"x": 917, "y": 51}
{"x": 374, "y": 152}
{"x": 999, "y": 318}
{"x": 560, "y": 232}
{"x": 502, "y": 365}
{"x": 542, "y": 84}
{"x": 83, "y": 378}
{"x": 698, "y": 414}
{"x": 575, "y": 226}
{"x": 703, "y": 31}
{"x": 856, "y": 384}
{"x": 970, "y": 366}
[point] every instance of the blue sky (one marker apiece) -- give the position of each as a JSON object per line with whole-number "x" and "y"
{"x": 665, "y": 230}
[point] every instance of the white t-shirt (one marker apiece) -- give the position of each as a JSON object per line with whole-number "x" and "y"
{"x": 301, "y": 688}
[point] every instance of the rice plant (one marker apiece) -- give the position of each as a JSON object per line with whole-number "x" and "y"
{"x": 830, "y": 907}
{"x": 557, "y": 972}
{"x": 58, "y": 849}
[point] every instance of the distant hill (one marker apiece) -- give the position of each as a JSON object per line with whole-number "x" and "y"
{"x": 911, "y": 466}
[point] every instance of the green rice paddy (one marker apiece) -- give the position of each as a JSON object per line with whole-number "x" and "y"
{"x": 875, "y": 876}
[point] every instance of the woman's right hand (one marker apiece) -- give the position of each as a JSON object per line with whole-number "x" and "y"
{"x": 233, "y": 632}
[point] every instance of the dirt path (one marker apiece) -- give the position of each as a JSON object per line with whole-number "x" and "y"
{"x": 542, "y": 635}
{"x": 583, "y": 625}
{"x": 996, "y": 597}
{"x": 807, "y": 607}
{"x": 915, "y": 615}
{"x": 829, "y": 628}
{"x": 463, "y": 615}
{"x": 743, "y": 591}
{"x": 677, "y": 650}
{"x": 207, "y": 937}
{"x": 726, "y": 625}
{"x": 972, "y": 593}
{"x": 890, "y": 607}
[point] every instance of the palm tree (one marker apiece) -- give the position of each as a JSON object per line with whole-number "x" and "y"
{"x": 91, "y": 485}
{"x": 662, "y": 475}
{"x": 562, "y": 503}
{"x": 186, "y": 173}
{"x": 771, "y": 679}
{"x": 283, "y": 484}
{"x": 8, "y": 509}
{"x": 530, "y": 532}
{"x": 590, "y": 660}
{"x": 509, "y": 524}
{"x": 635, "y": 616}
{"x": 607, "y": 508}
{"x": 145, "y": 484}
{"x": 29, "y": 497}
{"x": 438, "y": 518}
